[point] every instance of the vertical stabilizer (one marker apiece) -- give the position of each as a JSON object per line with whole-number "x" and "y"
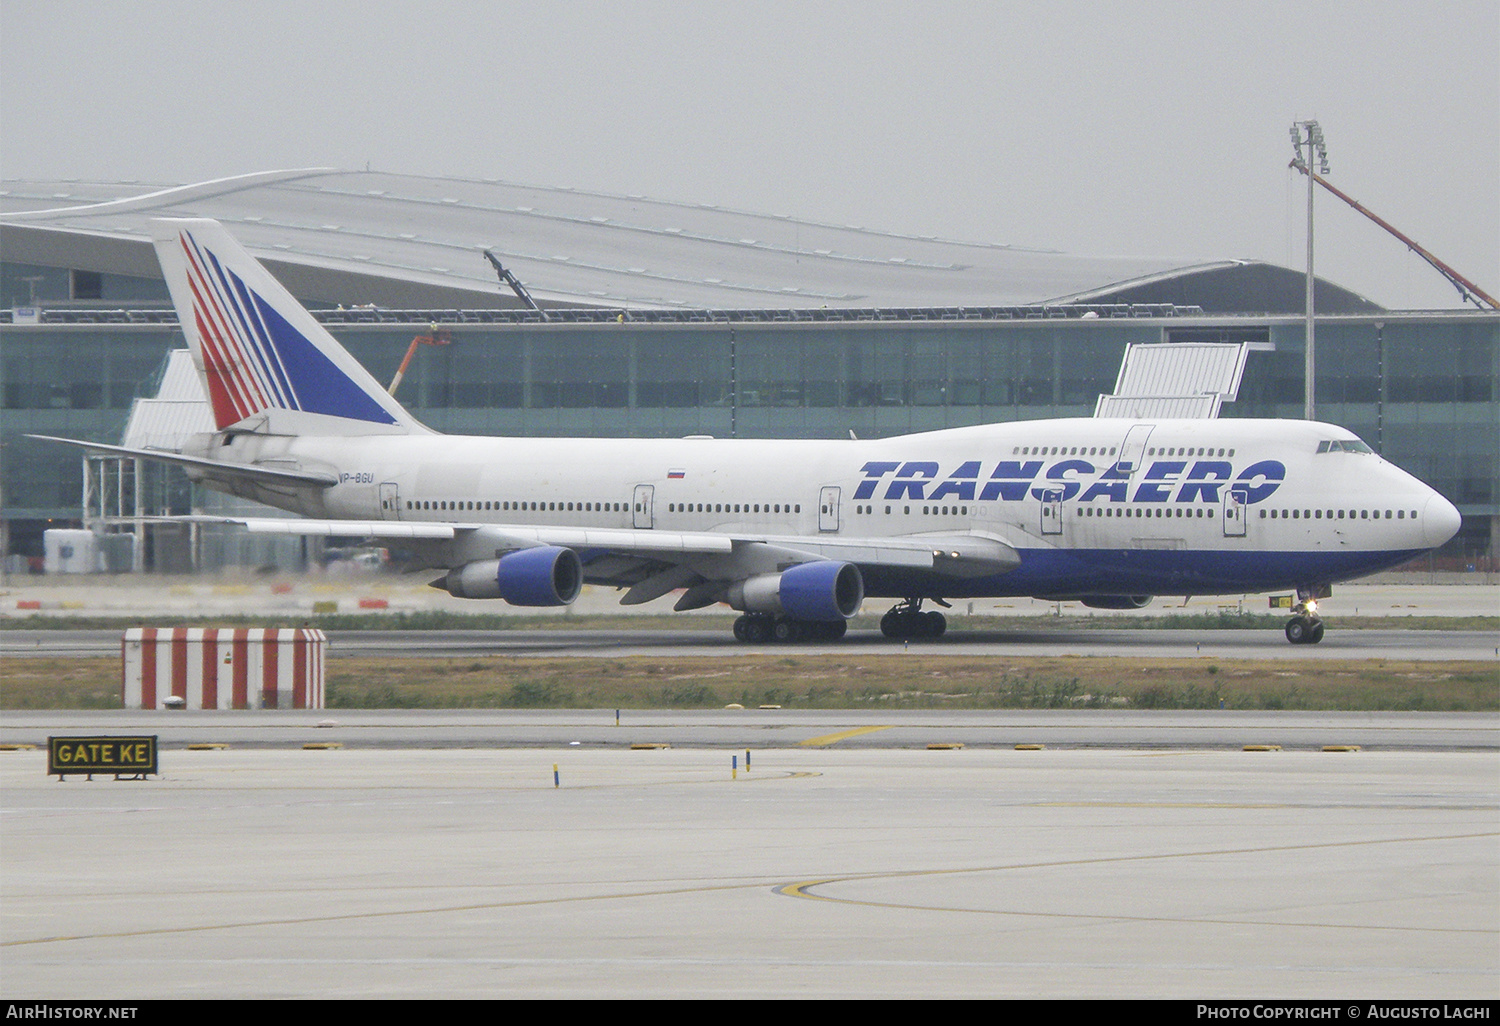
{"x": 262, "y": 356}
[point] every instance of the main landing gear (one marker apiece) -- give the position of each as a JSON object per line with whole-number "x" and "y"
{"x": 1306, "y": 626}
{"x": 907, "y": 620}
{"x": 761, "y": 627}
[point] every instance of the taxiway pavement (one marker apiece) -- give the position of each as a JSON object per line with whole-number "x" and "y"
{"x": 821, "y": 872}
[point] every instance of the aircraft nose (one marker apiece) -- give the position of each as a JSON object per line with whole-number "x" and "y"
{"x": 1440, "y": 521}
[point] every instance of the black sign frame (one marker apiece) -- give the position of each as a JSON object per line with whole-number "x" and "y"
{"x": 132, "y": 757}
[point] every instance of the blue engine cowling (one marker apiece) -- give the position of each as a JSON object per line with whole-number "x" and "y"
{"x": 824, "y": 590}
{"x": 548, "y": 575}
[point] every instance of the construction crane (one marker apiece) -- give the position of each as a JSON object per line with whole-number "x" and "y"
{"x": 515, "y": 284}
{"x": 1466, "y": 288}
{"x": 438, "y": 337}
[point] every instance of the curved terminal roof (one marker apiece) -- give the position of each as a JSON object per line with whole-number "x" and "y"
{"x": 355, "y": 237}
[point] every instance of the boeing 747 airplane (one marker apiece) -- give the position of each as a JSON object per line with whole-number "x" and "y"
{"x": 794, "y": 534}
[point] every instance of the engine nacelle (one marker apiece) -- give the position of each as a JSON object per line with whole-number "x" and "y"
{"x": 548, "y": 575}
{"x": 1117, "y": 601}
{"x": 823, "y": 590}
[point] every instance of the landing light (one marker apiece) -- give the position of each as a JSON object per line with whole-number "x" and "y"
{"x": 1312, "y": 605}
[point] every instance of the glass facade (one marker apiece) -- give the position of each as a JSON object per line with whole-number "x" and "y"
{"x": 1420, "y": 388}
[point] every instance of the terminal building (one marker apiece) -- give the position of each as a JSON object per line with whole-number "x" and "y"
{"x": 626, "y": 316}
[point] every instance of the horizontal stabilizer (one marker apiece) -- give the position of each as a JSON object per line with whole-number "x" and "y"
{"x": 210, "y": 468}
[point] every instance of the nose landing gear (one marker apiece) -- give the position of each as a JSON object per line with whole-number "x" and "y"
{"x": 1306, "y": 626}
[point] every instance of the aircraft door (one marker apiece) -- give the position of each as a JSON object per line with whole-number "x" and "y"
{"x": 1236, "y": 511}
{"x": 828, "y": 508}
{"x": 1134, "y": 447}
{"x": 645, "y": 495}
{"x": 390, "y": 501}
{"x": 1052, "y": 511}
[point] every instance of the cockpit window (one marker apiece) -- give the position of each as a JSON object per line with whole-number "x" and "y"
{"x": 1344, "y": 445}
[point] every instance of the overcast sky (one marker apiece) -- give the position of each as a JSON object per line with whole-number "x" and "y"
{"x": 1153, "y": 129}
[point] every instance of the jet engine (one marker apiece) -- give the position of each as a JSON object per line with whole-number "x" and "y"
{"x": 823, "y": 590}
{"x": 548, "y": 575}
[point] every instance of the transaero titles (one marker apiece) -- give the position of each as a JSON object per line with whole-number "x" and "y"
{"x": 1011, "y": 480}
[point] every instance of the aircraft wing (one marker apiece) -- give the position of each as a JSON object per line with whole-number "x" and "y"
{"x": 391, "y": 529}
{"x": 960, "y": 553}
{"x": 494, "y": 535}
{"x": 940, "y": 552}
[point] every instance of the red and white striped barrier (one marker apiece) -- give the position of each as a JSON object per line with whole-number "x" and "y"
{"x": 214, "y": 668}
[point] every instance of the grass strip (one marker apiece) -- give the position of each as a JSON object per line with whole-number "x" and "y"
{"x": 916, "y": 680}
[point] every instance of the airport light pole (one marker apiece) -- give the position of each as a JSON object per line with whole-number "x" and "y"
{"x": 1310, "y": 135}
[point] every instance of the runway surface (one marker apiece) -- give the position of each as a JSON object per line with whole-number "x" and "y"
{"x": 1439, "y": 645}
{"x": 314, "y": 594}
{"x": 821, "y": 872}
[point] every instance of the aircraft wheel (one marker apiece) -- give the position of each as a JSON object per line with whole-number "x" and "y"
{"x": 1315, "y": 635}
{"x": 739, "y": 628}
{"x": 784, "y": 630}
{"x": 893, "y": 625}
{"x": 756, "y": 630}
{"x": 1297, "y": 630}
{"x": 936, "y": 625}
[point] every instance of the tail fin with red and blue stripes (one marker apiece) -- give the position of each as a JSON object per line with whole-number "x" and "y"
{"x": 265, "y": 362}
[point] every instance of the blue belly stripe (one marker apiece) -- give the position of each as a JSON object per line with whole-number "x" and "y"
{"x": 1140, "y": 572}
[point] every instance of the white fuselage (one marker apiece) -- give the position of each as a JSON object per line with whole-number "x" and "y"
{"x": 1092, "y": 505}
